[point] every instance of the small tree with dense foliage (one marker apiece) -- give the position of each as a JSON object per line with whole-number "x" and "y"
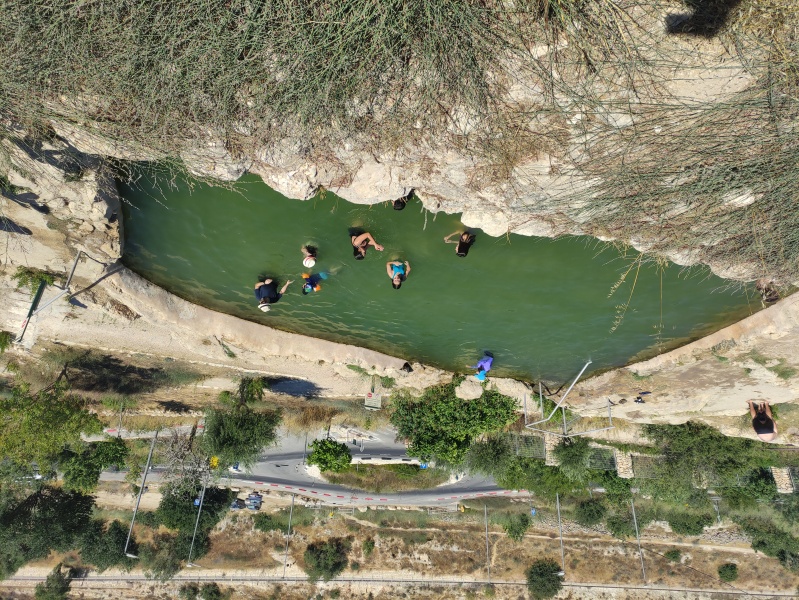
{"x": 687, "y": 523}
{"x": 543, "y": 579}
{"x": 104, "y": 547}
{"x": 325, "y": 560}
{"x": 728, "y": 572}
{"x": 82, "y": 469}
{"x": 440, "y": 425}
{"x": 55, "y": 587}
{"x": 239, "y": 434}
{"x": 517, "y": 525}
{"x": 572, "y": 455}
{"x": 672, "y": 555}
{"x": 590, "y": 512}
{"x": 330, "y": 455}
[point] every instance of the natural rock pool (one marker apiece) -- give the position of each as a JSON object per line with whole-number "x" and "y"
{"x": 542, "y": 306}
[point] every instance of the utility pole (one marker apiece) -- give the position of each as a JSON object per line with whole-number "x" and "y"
{"x": 488, "y": 552}
{"x": 141, "y": 491}
{"x": 288, "y": 537}
{"x": 638, "y": 537}
{"x": 560, "y": 527}
{"x": 197, "y": 522}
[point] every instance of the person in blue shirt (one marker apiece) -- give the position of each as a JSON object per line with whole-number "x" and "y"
{"x": 266, "y": 293}
{"x": 398, "y": 272}
{"x": 312, "y": 282}
{"x": 483, "y": 366}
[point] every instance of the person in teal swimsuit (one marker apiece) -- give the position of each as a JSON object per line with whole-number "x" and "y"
{"x": 398, "y": 272}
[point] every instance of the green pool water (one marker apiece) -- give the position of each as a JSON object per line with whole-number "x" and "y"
{"x": 543, "y": 307}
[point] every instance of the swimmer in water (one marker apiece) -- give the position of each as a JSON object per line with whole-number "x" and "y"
{"x": 398, "y": 272}
{"x": 483, "y": 366}
{"x": 308, "y": 256}
{"x": 361, "y": 242}
{"x": 266, "y": 293}
{"x": 463, "y": 243}
{"x": 312, "y": 282}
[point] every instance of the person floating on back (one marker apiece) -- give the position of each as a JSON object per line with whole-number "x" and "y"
{"x": 361, "y": 242}
{"x": 398, "y": 271}
{"x": 267, "y": 294}
{"x": 762, "y": 420}
{"x": 312, "y": 282}
{"x": 308, "y": 256}
{"x": 463, "y": 243}
{"x": 483, "y": 366}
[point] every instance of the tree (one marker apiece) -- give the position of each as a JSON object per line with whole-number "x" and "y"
{"x": 572, "y": 455}
{"x": 590, "y": 512}
{"x": 82, "y": 469}
{"x": 104, "y": 547}
{"x": 728, "y": 572}
{"x": 250, "y": 390}
{"x": 238, "y": 435}
{"x": 440, "y": 425}
{"x": 55, "y": 587}
{"x": 489, "y": 456}
{"x": 37, "y": 427}
{"x": 330, "y": 455}
{"x": 325, "y": 560}
{"x": 189, "y": 591}
{"x": 543, "y": 579}
{"x": 35, "y": 524}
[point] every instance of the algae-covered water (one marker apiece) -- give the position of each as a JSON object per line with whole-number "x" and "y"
{"x": 542, "y": 306}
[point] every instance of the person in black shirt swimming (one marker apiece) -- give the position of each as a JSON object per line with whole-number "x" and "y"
{"x": 464, "y": 242}
{"x": 266, "y": 293}
{"x": 762, "y": 420}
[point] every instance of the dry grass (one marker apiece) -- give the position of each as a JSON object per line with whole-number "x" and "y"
{"x": 388, "y": 478}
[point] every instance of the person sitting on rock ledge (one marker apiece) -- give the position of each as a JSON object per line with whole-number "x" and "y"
{"x": 267, "y": 294}
{"x": 762, "y": 420}
{"x": 483, "y": 366}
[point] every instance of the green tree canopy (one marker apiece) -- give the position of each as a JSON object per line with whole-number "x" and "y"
{"x": 103, "y": 547}
{"x": 325, "y": 560}
{"x": 36, "y": 427}
{"x": 33, "y": 525}
{"x": 440, "y": 425}
{"x": 330, "y": 455}
{"x": 590, "y": 512}
{"x": 543, "y": 579}
{"x": 82, "y": 469}
{"x": 55, "y": 587}
{"x": 250, "y": 390}
{"x": 239, "y": 434}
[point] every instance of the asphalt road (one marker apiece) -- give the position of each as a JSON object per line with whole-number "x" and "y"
{"x": 282, "y": 468}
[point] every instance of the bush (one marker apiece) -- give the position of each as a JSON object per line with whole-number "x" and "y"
{"x": 325, "y": 560}
{"x": 211, "y": 591}
{"x": 617, "y": 490}
{"x": 104, "y": 548}
{"x": 533, "y": 475}
{"x": 673, "y": 555}
{"x": 728, "y": 572}
{"x": 621, "y": 526}
{"x": 189, "y": 591}
{"x": 517, "y": 525}
{"x": 590, "y": 512}
{"x": 6, "y": 338}
{"x": 686, "y": 523}
{"x": 368, "y": 546}
{"x": 543, "y": 579}
{"x": 330, "y": 455}
{"x": 772, "y": 540}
